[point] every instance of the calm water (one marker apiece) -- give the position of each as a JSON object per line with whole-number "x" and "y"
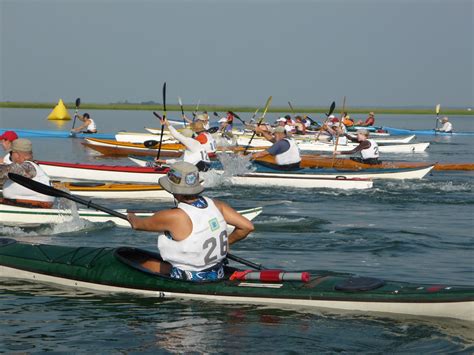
{"x": 419, "y": 231}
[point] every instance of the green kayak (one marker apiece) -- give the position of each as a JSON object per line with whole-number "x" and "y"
{"x": 120, "y": 270}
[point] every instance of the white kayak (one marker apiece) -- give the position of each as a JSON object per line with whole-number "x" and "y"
{"x": 395, "y": 148}
{"x": 14, "y": 215}
{"x": 386, "y": 174}
{"x": 138, "y": 137}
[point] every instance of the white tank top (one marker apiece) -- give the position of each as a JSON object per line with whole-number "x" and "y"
{"x": 342, "y": 139}
{"x": 207, "y": 244}
{"x": 195, "y": 157}
{"x": 7, "y": 159}
{"x": 372, "y": 152}
{"x": 91, "y": 127}
{"x": 210, "y": 145}
{"x": 14, "y": 191}
{"x": 291, "y": 156}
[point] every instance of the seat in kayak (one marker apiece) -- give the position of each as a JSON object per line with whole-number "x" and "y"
{"x": 356, "y": 284}
{"x": 86, "y": 184}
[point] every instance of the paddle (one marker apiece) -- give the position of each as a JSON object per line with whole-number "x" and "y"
{"x": 331, "y": 110}
{"x": 337, "y": 132}
{"x": 196, "y": 110}
{"x": 238, "y": 117}
{"x": 291, "y": 108}
{"x": 78, "y": 103}
{"x": 182, "y": 110}
{"x": 51, "y": 191}
{"x": 438, "y": 107}
{"x": 269, "y": 100}
{"x": 164, "y": 118}
{"x": 254, "y": 114}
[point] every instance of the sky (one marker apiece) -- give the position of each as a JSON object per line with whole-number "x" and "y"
{"x": 375, "y": 52}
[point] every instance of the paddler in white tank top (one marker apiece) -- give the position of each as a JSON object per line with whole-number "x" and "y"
{"x": 88, "y": 125}
{"x": 195, "y": 153}
{"x": 7, "y": 139}
{"x": 284, "y": 149}
{"x": 23, "y": 164}
{"x": 194, "y": 243}
{"x": 367, "y": 148}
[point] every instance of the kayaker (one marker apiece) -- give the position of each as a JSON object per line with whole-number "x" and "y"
{"x": 204, "y": 137}
{"x": 23, "y": 164}
{"x": 88, "y": 125}
{"x": 300, "y": 127}
{"x": 333, "y": 127}
{"x": 447, "y": 126}
{"x": 284, "y": 149}
{"x": 194, "y": 243}
{"x": 7, "y": 139}
{"x": 195, "y": 153}
{"x": 347, "y": 120}
{"x": 224, "y": 125}
{"x": 202, "y": 117}
{"x": 370, "y": 121}
{"x": 367, "y": 148}
{"x": 283, "y": 122}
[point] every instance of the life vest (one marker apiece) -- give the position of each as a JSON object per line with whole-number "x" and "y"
{"x": 14, "y": 191}
{"x": 207, "y": 244}
{"x": 348, "y": 122}
{"x": 291, "y": 156}
{"x": 7, "y": 159}
{"x": 371, "y": 152}
{"x": 91, "y": 127}
{"x": 342, "y": 138}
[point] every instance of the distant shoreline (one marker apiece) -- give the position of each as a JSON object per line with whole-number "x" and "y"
{"x": 220, "y": 108}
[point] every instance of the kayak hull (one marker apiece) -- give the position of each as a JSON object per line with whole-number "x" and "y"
{"x": 396, "y": 148}
{"x": 33, "y": 133}
{"x": 432, "y": 132}
{"x": 25, "y": 216}
{"x": 118, "y": 270}
{"x": 120, "y": 191}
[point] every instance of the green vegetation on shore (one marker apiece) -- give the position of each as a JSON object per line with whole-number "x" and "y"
{"x": 220, "y": 108}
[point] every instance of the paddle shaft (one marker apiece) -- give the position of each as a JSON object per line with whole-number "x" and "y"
{"x": 51, "y": 191}
{"x": 182, "y": 110}
{"x": 269, "y": 100}
{"x": 337, "y": 133}
{"x": 164, "y": 118}
{"x": 438, "y": 106}
{"x": 331, "y": 110}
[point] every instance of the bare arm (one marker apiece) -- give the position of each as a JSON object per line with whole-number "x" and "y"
{"x": 362, "y": 145}
{"x": 189, "y": 143}
{"x": 243, "y": 226}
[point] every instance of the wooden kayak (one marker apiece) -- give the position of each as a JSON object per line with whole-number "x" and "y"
{"x": 318, "y": 161}
{"x": 114, "y": 148}
{"x": 24, "y": 216}
{"x": 123, "y": 270}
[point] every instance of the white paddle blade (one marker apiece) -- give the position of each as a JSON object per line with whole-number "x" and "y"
{"x": 180, "y": 102}
{"x": 438, "y": 107}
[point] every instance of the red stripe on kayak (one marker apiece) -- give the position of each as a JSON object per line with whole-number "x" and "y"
{"x": 122, "y": 168}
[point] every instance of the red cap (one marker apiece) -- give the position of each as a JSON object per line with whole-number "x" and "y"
{"x": 9, "y": 136}
{"x": 334, "y": 120}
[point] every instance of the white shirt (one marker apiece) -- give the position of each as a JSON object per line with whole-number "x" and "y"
{"x": 447, "y": 127}
{"x": 371, "y": 152}
{"x": 207, "y": 244}
{"x": 91, "y": 127}
{"x": 194, "y": 152}
{"x": 7, "y": 160}
{"x": 291, "y": 156}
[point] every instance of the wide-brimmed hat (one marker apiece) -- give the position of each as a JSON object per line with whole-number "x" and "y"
{"x": 182, "y": 179}
{"x": 22, "y": 145}
{"x": 371, "y": 114}
{"x": 281, "y": 119}
{"x": 9, "y": 136}
{"x": 197, "y": 126}
{"x": 202, "y": 117}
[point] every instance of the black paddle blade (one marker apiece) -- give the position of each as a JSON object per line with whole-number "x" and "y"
{"x": 37, "y": 186}
{"x": 164, "y": 99}
{"x": 216, "y": 114}
{"x": 157, "y": 115}
{"x": 331, "y": 109}
{"x": 236, "y": 115}
{"x": 213, "y": 129}
{"x": 150, "y": 143}
{"x": 78, "y": 102}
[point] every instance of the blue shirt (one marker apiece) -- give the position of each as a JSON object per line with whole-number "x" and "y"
{"x": 279, "y": 147}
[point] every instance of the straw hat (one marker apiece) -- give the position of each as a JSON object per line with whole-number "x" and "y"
{"x": 444, "y": 119}
{"x": 182, "y": 179}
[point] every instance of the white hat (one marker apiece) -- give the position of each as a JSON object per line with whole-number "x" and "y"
{"x": 332, "y": 116}
{"x": 281, "y": 119}
{"x": 223, "y": 120}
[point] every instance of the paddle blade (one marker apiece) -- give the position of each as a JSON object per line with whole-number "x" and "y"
{"x": 78, "y": 102}
{"x": 37, "y": 186}
{"x": 164, "y": 99}
{"x": 150, "y": 143}
{"x": 215, "y": 114}
{"x": 267, "y": 105}
{"x": 331, "y": 109}
{"x": 291, "y": 107}
{"x": 236, "y": 115}
{"x": 157, "y": 115}
{"x": 180, "y": 102}
{"x": 438, "y": 108}
{"x": 213, "y": 129}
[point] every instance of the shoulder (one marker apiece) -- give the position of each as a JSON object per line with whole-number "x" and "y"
{"x": 202, "y": 138}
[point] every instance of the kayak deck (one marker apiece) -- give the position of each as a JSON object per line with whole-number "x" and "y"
{"x": 120, "y": 270}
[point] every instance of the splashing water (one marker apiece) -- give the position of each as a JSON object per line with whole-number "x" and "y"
{"x": 232, "y": 164}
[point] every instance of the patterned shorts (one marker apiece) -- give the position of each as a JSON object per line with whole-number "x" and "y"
{"x": 213, "y": 274}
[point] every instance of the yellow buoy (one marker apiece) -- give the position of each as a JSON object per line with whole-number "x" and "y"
{"x": 59, "y": 112}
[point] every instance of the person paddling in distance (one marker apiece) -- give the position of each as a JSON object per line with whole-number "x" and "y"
{"x": 284, "y": 149}
{"x": 88, "y": 124}
{"x": 194, "y": 243}
{"x": 333, "y": 127}
{"x": 195, "y": 152}
{"x": 370, "y": 121}
{"x": 367, "y": 148}
{"x": 23, "y": 164}
{"x": 7, "y": 138}
{"x": 446, "y": 127}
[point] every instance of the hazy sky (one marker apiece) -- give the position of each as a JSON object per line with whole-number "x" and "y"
{"x": 376, "y": 52}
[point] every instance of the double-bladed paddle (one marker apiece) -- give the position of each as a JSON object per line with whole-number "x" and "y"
{"x": 337, "y": 132}
{"x": 51, "y": 191}
{"x": 438, "y": 108}
{"x": 78, "y": 103}
{"x": 196, "y": 110}
{"x": 331, "y": 110}
{"x": 164, "y": 118}
{"x": 269, "y": 101}
{"x": 182, "y": 110}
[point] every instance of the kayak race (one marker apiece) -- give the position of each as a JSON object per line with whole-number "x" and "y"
{"x": 227, "y": 177}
